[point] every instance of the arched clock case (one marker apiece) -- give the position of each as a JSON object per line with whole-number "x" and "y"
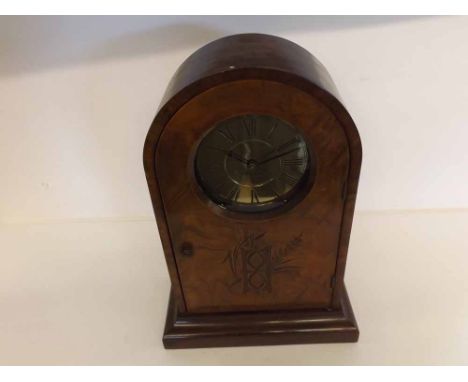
{"x": 252, "y": 163}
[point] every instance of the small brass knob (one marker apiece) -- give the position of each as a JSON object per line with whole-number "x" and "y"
{"x": 186, "y": 249}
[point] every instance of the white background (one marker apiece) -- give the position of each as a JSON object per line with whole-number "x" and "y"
{"x": 83, "y": 278}
{"x": 77, "y": 95}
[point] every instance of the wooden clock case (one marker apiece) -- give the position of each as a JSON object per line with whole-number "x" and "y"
{"x": 293, "y": 291}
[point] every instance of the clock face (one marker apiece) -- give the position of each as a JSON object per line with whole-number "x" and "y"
{"x": 252, "y": 163}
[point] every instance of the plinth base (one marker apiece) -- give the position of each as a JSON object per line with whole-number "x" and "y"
{"x": 259, "y": 328}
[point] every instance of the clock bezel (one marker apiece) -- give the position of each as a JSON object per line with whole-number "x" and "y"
{"x": 293, "y": 197}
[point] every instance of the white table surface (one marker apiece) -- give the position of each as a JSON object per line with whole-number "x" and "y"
{"x": 95, "y": 293}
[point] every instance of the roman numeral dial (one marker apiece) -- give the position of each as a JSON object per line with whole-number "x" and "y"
{"x": 289, "y": 178}
{"x": 250, "y": 126}
{"x": 293, "y": 162}
{"x": 252, "y": 163}
{"x": 227, "y": 134}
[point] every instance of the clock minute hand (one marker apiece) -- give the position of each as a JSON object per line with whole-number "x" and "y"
{"x": 278, "y": 155}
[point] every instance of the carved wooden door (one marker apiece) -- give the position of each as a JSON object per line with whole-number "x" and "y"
{"x": 229, "y": 262}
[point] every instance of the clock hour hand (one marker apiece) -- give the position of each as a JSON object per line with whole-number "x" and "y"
{"x": 234, "y": 155}
{"x": 231, "y": 154}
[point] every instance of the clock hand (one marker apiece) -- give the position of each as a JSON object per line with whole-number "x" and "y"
{"x": 231, "y": 154}
{"x": 278, "y": 156}
{"x": 234, "y": 155}
{"x": 280, "y": 147}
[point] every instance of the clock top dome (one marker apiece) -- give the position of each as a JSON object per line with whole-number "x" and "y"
{"x": 250, "y": 55}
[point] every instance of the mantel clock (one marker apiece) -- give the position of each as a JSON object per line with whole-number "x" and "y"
{"x": 252, "y": 163}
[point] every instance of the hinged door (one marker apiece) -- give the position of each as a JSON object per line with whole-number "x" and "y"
{"x": 227, "y": 262}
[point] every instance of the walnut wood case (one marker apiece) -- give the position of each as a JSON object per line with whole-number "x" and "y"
{"x": 302, "y": 297}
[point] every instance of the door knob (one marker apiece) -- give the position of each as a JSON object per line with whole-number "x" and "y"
{"x": 186, "y": 249}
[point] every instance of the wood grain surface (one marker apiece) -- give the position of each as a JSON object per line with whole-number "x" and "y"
{"x": 289, "y": 259}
